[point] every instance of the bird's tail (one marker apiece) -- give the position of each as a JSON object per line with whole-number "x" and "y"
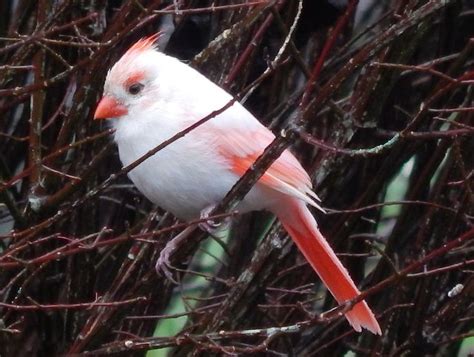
{"x": 302, "y": 227}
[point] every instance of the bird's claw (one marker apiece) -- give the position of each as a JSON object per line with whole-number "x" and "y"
{"x": 210, "y": 226}
{"x": 163, "y": 265}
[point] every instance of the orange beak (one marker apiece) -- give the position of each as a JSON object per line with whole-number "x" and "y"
{"x": 109, "y": 107}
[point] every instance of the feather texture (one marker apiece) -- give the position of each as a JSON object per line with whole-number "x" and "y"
{"x": 198, "y": 170}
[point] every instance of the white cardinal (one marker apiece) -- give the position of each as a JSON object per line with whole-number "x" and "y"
{"x": 152, "y": 97}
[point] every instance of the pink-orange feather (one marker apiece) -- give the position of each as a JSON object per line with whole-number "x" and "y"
{"x": 144, "y": 44}
{"x": 242, "y": 148}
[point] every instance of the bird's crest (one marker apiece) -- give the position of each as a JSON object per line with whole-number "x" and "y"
{"x": 144, "y": 44}
{"x": 125, "y": 70}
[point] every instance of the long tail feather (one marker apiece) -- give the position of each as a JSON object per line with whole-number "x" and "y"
{"x": 302, "y": 227}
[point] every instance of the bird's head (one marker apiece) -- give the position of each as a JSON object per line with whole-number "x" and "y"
{"x": 131, "y": 82}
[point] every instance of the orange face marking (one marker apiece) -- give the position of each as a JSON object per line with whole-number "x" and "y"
{"x": 135, "y": 77}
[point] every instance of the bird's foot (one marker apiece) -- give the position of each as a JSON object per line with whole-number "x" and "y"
{"x": 210, "y": 226}
{"x": 163, "y": 264}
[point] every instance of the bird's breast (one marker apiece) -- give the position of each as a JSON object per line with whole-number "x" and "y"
{"x": 184, "y": 178}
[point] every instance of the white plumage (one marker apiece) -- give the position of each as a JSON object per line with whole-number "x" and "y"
{"x": 152, "y": 97}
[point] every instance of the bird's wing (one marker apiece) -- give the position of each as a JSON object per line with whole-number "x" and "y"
{"x": 242, "y": 146}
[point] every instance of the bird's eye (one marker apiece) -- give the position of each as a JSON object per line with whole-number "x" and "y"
{"x": 135, "y": 88}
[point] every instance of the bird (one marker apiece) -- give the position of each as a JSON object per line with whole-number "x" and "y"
{"x": 150, "y": 96}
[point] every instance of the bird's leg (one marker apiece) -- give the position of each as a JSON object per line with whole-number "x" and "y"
{"x": 163, "y": 264}
{"x": 210, "y": 226}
